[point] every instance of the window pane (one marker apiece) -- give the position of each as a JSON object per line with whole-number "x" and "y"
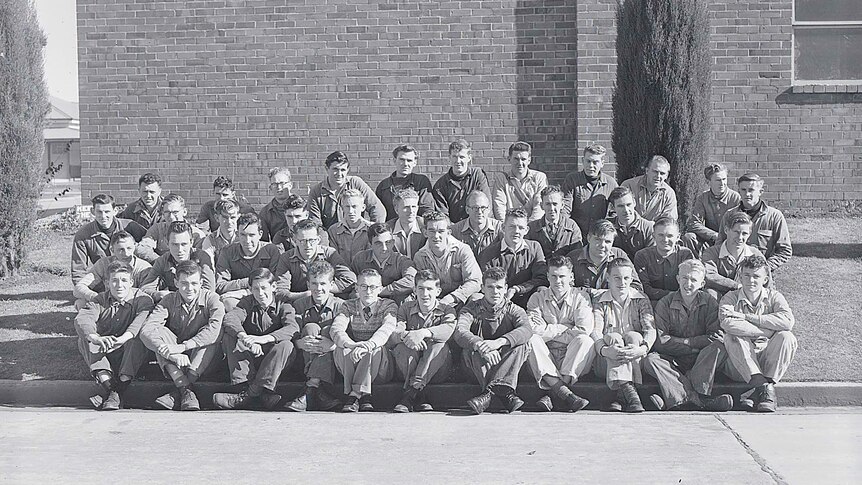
{"x": 828, "y": 53}
{"x": 829, "y": 10}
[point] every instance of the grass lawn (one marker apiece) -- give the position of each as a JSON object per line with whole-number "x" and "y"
{"x": 821, "y": 282}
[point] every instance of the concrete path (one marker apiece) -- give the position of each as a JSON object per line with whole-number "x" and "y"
{"x": 82, "y": 446}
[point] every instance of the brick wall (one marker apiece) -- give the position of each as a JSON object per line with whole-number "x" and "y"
{"x": 192, "y": 89}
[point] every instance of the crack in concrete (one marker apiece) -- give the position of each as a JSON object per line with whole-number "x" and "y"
{"x": 776, "y": 477}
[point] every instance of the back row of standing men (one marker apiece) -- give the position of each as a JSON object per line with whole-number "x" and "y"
{"x": 515, "y": 222}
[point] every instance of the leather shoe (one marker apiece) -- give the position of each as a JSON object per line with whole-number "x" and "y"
{"x": 768, "y": 401}
{"x": 480, "y": 403}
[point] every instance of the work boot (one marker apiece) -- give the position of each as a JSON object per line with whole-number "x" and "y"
{"x": 188, "y": 400}
{"x": 112, "y": 402}
{"x": 574, "y": 402}
{"x": 614, "y": 407}
{"x": 512, "y": 403}
{"x": 421, "y": 404}
{"x": 269, "y": 400}
{"x": 768, "y": 400}
{"x": 544, "y": 404}
{"x": 351, "y": 406}
{"x": 226, "y": 400}
{"x": 299, "y": 404}
{"x": 322, "y": 400}
{"x": 169, "y": 401}
{"x": 405, "y": 405}
{"x": 628, "y": 395}
{"x": 480, "y": 403}
{"x": 365, "y": 404}
{"x": 720, "y": 403}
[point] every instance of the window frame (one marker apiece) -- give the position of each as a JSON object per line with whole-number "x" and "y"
{"x": 808, "y": 24}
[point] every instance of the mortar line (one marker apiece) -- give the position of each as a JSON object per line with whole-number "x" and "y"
{"x": 776, "y": 477}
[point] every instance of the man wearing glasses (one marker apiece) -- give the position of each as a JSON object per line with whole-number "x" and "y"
{"x": 272, "y": 214}
{"x": 479, "y": 229}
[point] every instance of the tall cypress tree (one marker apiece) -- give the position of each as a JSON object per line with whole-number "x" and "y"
{"x": 23, "y": 107}
{"x": 662, "y": 102}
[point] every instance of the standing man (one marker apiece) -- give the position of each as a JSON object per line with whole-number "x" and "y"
{"x": 654, "y": 198}
{"x": 147, "y": 210}
{"x": 585, "y": 193}
{"x": 557, "y": 235}
{"x": 323, "y": 198}
{"x": 519, "y": 188}
{"x": 704, "y": 222}
{"x": 208, "y": 218}
{"x": 451, "y": 190}
{"x": 272, "y": 214}
{"x": 405, "y": 158}
{"x": 479, "y": 229}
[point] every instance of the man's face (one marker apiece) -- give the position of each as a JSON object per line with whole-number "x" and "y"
{"x": 352, "y": 208}
{"x": 382, "y": 246}
{"x": 120, "y": 284}
{"x": 718, "y": 183}
{"x": 104, "y": 214}
{"x": 437, "y": 233}
{"x": 750, "y": 192}
{"x": 407, "y": 209}
{"x": 292, "y": 216}
{"x": 753, "y": 280}
{"x": 600, "y": 247}
{"x": 620, "y": 278}
{"x": 173, "y": 211}
{"x": 262, "y": 289}
{"x": 460, "y": 161}
{"x": 520, "y": 163}
{"x": 180, "y": 245}
{"x": 337, "y": 174}
{"x": 656, "y": 174}
{"x": 560, "y": 279}
{"x": 368, "y": 288}
{"x": 593, "y": 164}
{"x": 223, "y": 193}
{"x": 280, "y": 186}
{"x": 625, "y": 209}
{"x": 405, "y": 162}
{"x": 189, "y": 286}
{"x": 227, "y": 222}
{"x": 690, "y": 283}
{"x": 666, "y": 238}
{"x": 478, "y": 208}
{"x": 150, "y": 194}
{"x": 124, "y": 249}
{"x": 553, "y": 206}
{"x": 494, "y": 291}
{"x": 320, "y": 287}
{"x": 738, "y": 235}
{"x": 514, "y": 231}
{"x": 306, "y": 242}
{"x": 249, "y": 238}
{"x": 426, "y": 293}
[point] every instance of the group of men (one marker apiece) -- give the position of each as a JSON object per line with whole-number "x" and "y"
{"x": 471, "y": 277}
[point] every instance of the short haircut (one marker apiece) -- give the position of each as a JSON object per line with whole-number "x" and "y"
{"x": 621, "y": 263}
{"x": 750, "y": 177}
{"x": 754, "y": 262}
{"x": 619, "y": 193}
{"x": 369, "y": 273}
{"x": 119, "y": 236}
{"x": 560, "y": 261}
{"x": 737, "y": 217}
{"x": 149, "y": 178}
{"x": 595, "y": 149}
{"x": 119, "y": 267}
{"x": 222, "y": 182}
{"x": 690, "y": 265}
{"x": 102, "y": 199}
{"x": 713, "y": 168}
{"x": 658, "y": 159}
{"x": 187, "y": 267}
{"x": 377, "y": 229}
{"x": 180, "y": 227}
{"x": 225, "y": 207}
{"x": 337, "y": 158}
{"x": 516, "y": 213}
{"x": 248, "y": 219}
{"x": 293, "y": 202}
{"x": 426, "y": 275}
{"x": 551, "y": 190}
{"x": 348, "y": 193}
{"x": 321, "y": 268}
{"x": 403, "y": 194}
{"x": 602, "y": 228}
{"x": 476, "y": 193}
{"x": 458, "y": 145}
{"x": 260, "y": 274}
{"x": 305, "y": 225}
{"x": 494, "y": 273}
{"x": 277, "y": 170}
{"x": 666, "y": 221}
{"x": 520, "y": 146}
{"x": 404, "y": 149}
{"x": 436, "y": 216}
{"x": 171, "y": 198}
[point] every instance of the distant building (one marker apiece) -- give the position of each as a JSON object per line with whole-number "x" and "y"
{"x": 62, "y": 140}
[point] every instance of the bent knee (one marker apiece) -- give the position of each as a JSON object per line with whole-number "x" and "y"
{"x": 633, "y": 338}
{"x": 785, "y": 338}
{"x": 311, "y": 329}
{"x": 613, "y": 338}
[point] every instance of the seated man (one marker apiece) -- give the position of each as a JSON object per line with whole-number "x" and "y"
{"x": 521, "y": 259}
{"x": 624, "y": 332}
{"x": 633, "y": 231}
{"x": 653, "y": 197}
{"x": 237, "y": 261}
{"x": 161, "y": 279}
{"x": 704, "y": 222}
{"x": 687, "y": 323}
{"x": 360, "y": 332}
{"x": 147, "y": 210}
{"x": 92, "y": 241}
{"x": 561, "y": 349}
{"x": 314, "y": 314}
{"x": 451, "y": 260}
{"x": 323, "y": 198}
{"x": 585, "y": 193}
{"x": 294, "y": 211}
{"x": 93, "y": 283}
{"x": 657, "y": 265}
{"x": 405, "y": 158}
{"x": 769, "y": 231}
{"x": 107, "y": 329}
{"x": 493, "y": 332}
{"x": 349, "y": 235}
{"x": 258, "y": 343}
{"x": 722, "y": 260}
{"x": 208, "y": 218}
{"x": 479, "y": 229}
{"x": 185, "y": 342}
{"x": 420, "y": 343}
{"x": 408, "y": 229}
{"x": 557, "y": 235}
{"x": 272, "y": 214}
{"x": 227, "y": 213}
{"x": 757, "y": 322}
{"x": 292, "y": 268}
{"x": 451, "y": 189}
{"x": 519, "y": 188}
{"x": 590, "y": 264}
{"x": 155, "y": 243}
{"x": 396, "y": 270}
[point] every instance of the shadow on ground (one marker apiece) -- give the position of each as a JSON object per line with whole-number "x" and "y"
{"x": 42, "y": 358}
{"x": 827, "y": 251}
{"x": 62, "y": 296}
{"x": 43, "y": 323}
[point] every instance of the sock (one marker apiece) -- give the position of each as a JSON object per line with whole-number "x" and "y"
{"x": 104, "y": 378}
{"x": 176, "y": 375}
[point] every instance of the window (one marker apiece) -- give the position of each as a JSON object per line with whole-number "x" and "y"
{"x": 827, "y": 42}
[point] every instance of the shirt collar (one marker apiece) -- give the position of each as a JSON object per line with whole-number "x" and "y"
{"x": 633, "y": 294}
{"x": 677, "y": 301}
{"x": 321, "y": 252}
{"x": 341, "y": 227}
{"x": 504, "y": 246}
{"x": 415, "y": 310}
{"x": 741, "y": 298}
{"x": 568, "y": 298}
{"x": 397, "y": 228}
{"x": 256, "y": 304}
{"x": 724, "y": 253}
{"x": 239, "y": 255}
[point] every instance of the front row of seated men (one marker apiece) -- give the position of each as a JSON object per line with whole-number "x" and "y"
{"x": 565, "y": 333}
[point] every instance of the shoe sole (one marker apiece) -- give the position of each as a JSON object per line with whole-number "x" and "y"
{"x": 401, "y": 409}
{"x": 295, "y": 409}
{"x": 475, "y": 407}
{"x": 97, "y": 401}
{"x": 164, "y": 405}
